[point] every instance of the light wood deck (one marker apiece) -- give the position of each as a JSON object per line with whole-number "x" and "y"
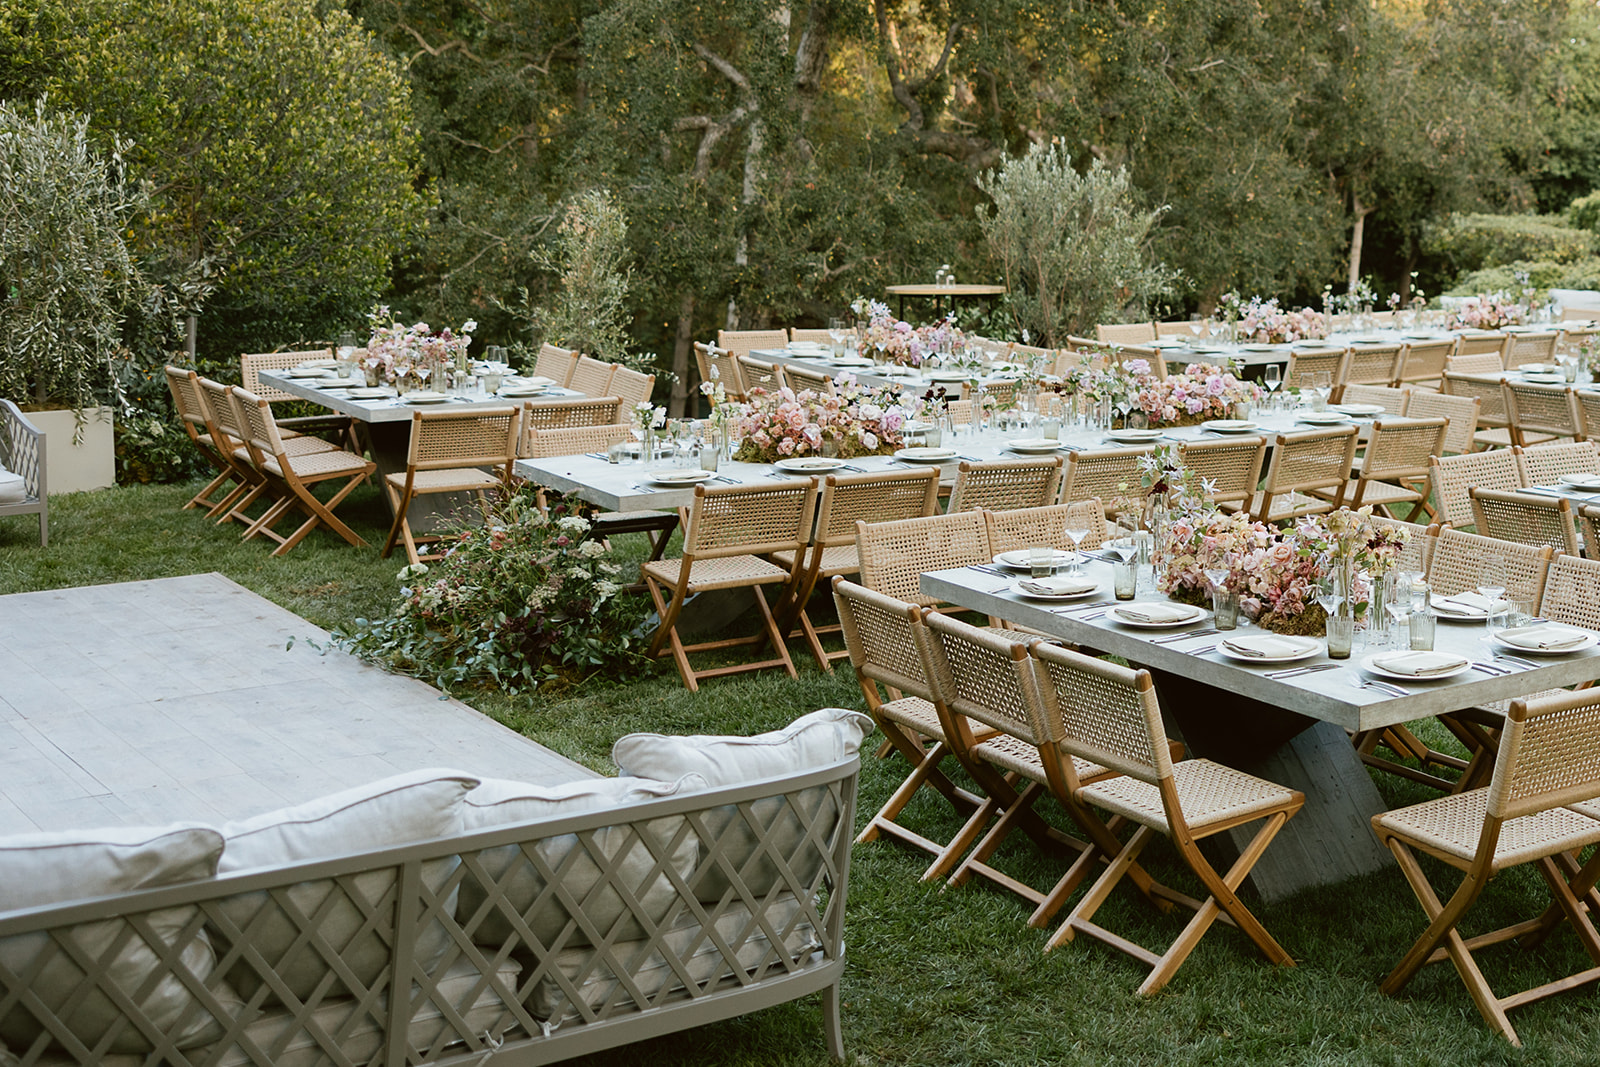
{"x": 149, "y": 702}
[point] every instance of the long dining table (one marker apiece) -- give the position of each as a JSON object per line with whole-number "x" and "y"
{"x": 1288, "y": 721}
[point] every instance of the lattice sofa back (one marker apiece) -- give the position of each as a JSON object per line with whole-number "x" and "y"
{"x": 738, "y": 904}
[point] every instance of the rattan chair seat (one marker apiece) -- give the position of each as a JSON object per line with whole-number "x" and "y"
{"x": 1500, "y": 707}
{"x": 718, "y": 573}
{"x": 915, "y": 713}
{"x": 1013, "y": 754}
{"x": 315, "y": 466}
{"x": 449, "y": 480}
{"x": 1449, "y": 827}
{"x": 294, "y": 446}
{"x": 1208, "y": 793}
{"x": 836, "y": 559}
{"x": 1379, "y": 493}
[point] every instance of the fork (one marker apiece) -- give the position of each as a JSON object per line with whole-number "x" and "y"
{"x": 1491, "y": 668}
{"x": 1513, "y": 659}
{"x": 642, "y": 488}
{"x": 1199, "y": 651}
{"x": 988, "y": 570}
{"x": 1382, "y": 687}
{"x": 1295, "y": 672}
{"x": 1175, "y": 638}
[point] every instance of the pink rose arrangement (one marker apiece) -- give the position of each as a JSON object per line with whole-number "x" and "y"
{"x": 1490, "y": 311}
{"x": 1264, "y": 322}
{"x": 1203, "y": 391}
{"x": 900, "y": 341}
{"x": 858, "y": 421}
{"x": 397, "y": 349}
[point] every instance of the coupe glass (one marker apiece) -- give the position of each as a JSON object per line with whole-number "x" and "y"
{"x": 1076, "y": 534}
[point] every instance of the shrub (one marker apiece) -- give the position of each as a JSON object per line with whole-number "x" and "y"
{"x": 1476, "y": 242}
{"x": 1074, "y": 247}
{"x": 521, "y": 599}
{"x": 1584, "y": 212}
{"x": 588, "y": 311}
{"x": 1541, "y": 274}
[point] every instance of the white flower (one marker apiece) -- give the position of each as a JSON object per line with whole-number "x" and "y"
{"x": 469, "y": 326}
{"x": 414, "y": 570}
{"x": 605, "y": 590}
{"x": 592, "y": 549}
{"x": 573, "y": 524}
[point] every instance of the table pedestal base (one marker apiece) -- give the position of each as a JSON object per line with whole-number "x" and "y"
{"x": 1328, "y": 840}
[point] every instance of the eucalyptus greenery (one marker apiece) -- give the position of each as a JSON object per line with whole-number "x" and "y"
{"x": 65, "y": 269}
{"x": 588, "y": 310}
{"x": 1074, "y": 247}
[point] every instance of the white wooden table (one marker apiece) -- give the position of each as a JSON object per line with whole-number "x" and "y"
{"x": 1290, "y": 730}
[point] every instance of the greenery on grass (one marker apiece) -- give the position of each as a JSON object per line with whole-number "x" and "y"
{"x": 940, "y": 977}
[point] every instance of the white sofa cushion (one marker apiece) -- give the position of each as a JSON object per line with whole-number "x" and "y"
{"x": 811, "y": 741}
{"x": 501, "y": 802}
{"x": 55, "y": 868}
{"x": 13, "y": 490}
{"x": 408, "y": 808}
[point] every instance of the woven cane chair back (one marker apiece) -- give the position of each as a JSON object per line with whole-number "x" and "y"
{"x": 1587, "y": 406}
{"x": 1461, "y": 411}
{"x": 1525, "y": 518}
{"x": 1491, "y": 398}
{"x": 802, "y": 379}
{"x": 881, "y": 636}
{"x": 1024, "y": 527}
{"x": 1003, "y": 393}
{"x": 225, "y": 418}
{"x": 759, "y": 374}
{"x": 1545, "y": 464}
{"x": 740, "y": 520}
{"x": 1154, "y": 358}
{"x": 1483, "y": 363}
{"x": 1393, "y": 401}
{"x": 1125, "y": 333}
{"x": 1423, "y": 362}
{"x": 251, "y": 364}
{"x": 1105, "y": 713}
{"x": 575, "y": 440}
{"x": 1173, "y": 329}
{"x": 741, "y": 342}
{"x": 1531, "y": 348}
{"x": 254, "y": 417}
{"x": 1006, "y": 485}
{"x": 1547, "y": 755}
{"x": 1402, "y": 449}
{"x": 631, "y": 386}
{"x": 1457, "y": 562}
{"x": 188, "y": 400}
{"x": 1375, "y": 365}
{"x": 980, "y": 674}
{"x": 554, "y": 414}
{"x": 591, "y": 377}
{"x": 482, "y": 438}
{"x": 1100, "y": 473}
{"x": 1231, "y": 466}
{"x": 1316, "y": 459}
{"x": 1572, "y": 590}
{"x": 1494, "y": 344}
{"x": 1306, "y": 363}
{"x": 554, "y": 363}
{"x": 893, "y": 555}
{"x": 717, "y": 364}
{"x": 1418, "y": 549}
{"x": 1540, "y": 408}
{"x": 878, "y": 497}
{"x": 821, "y": 337}
{"x": 1453, "y": 476}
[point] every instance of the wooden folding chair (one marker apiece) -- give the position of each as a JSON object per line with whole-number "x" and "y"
{"x": 742, "y": 342}
{"x": 1230, "y": 467}
{"x": 1375, "y": 365}
{"x": 251, "y": 364}
{"x": 1494, "y": 425}
{"x": 717, "y": 364}
{"x": 1480, "y": 363}
{"x": 1004, "y": 485}
{"x": 1301, "y": 465}
{"x": 1108, "y": 715}
{"x": 1393, "y": 401}
{"x": 1483, "y": 344}
{"x": 1461, "y": 411}
{"x": 846, "y": 500}
{"x": 292, "y": 477}
{"x": 229, "y": 431}
{"x": 631, "y": 387}
{"x": 1397, "y": 462}
{"x": 1586, "y": 403}
{"x": 554, "y": 363}
{"x": 727, "y": 531}
{"x": 558, "y": 414}
{"x": 893, "y": 555}
{"x": 1545, "y": 464}
{"x": 1020, "y": 528}
{"x": 1125, "y": 333}
{"x": 1422, "y": 363}
{"x": 1306, "y": 363}
{"x": 1525, "y": 518}
{"x": 591, "y": 377}
{"x": 1099, "y": 474}
{"x": 1539, "y": 807}
{"x": 1453, "y": 476}
{"x": 880, "y": 636}
{"x": 449, "y": 453}
{"x": 189, "y": 401}
{"x": 1545, "y": 410}
{"x": 802, "y": 379}
{"x": 759, "y": 374}
{"x": 1538, "y": 347}
{"x": 821, "y": 337}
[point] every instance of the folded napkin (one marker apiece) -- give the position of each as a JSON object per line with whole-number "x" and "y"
{"x": 1058, "y": 586}
{"x": 1464, "y": 604}
{"x": 536, "y": 379}
{"x": 1264, "y": 646}
{"x": 1543, "y": 637}
{"x": 1418, "y": 664}
{"x": 1156, "y": 612}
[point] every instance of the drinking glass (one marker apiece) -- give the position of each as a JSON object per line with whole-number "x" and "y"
{"x": 1272, "y": 378}
{"x": 1492, "y": 587}
{"x": 1322, "y": 385}
{"x": 1041, "y": 560}
{"x": 1077, "y": 534}
{"x": 837, "y": 334}
{"x": 1197, "y": 326}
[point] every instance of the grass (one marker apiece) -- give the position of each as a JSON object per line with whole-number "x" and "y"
{"x": 935, "y": 977}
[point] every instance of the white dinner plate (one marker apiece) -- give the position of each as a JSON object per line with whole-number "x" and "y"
{"x": 926, "y": 455}
{"x": 523, "y": 390}
{"x": 1423, "y": 335}
{"x": 1461, "y": 612}
{"x": 850, "y": 361}
{"x": 1581, "y": 481}
{"x": 1308, "y": 647}
{"x": 809, "y": 464}
{"x": 1196, "y": 615}
{"x": 425, "y": 396}
{"x": 537, "y": 380}
{"x": 1368, "y": 339}
{"x": 1262, "y": 346}
{"x": 1543, "y": 378}
{"x": 1167, "y": 342}
{"x": 806, "y": 346}
{"x": 1520, "y": 329}
{"x": 896, "y": 370}
{"x": 1018, "y": 559}
{"x": 1016, "y": 587}
{"x": 1538, "y": 368}
{"x": 1324, "y": 418}
{"x": 1034, "y": 444}
{"x": 1368, "y": 666}
{"x": 1359, "y": 409}
{"x": 316, "y": 363}
{"x": 1134, "y": 435}
{"x": 368, "y": 393}
{"x": 310, "y": 372}
{"x": 1588, "y": 642}
{"x": 1315, "y": 342}
{"x": 1207, "y": 349}
{"x": 337, "y": 383}
{"x": 1230, "y": 425}
{"x": 948, "y": 376}
{"x": 682, "y": 477}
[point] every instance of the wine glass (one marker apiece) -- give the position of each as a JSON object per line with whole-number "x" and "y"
{"x": 1492, "y": 585}
{"x": 1272, "y": 378}
{"x": 1197, "y": 327}
{"x": 836, "y": 334}
{"x": 1328, "y": 594}
{"x": 1123, "y": 540}
{"x": 1322, "y": 385}
{"x": 1076, "y": 534}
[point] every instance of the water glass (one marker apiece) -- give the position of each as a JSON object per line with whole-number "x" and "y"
{"x": 1050, "y": 427}
{"x": 1125, "y": 579}
{"x": 1341, "y": 636}
{"x": 933, "y": 436}
{"x": 1041, "y": 560}
{"x": 1422, "y": 627}
{"x": 1225, "y": 609}
{"x": 710, "y": 456}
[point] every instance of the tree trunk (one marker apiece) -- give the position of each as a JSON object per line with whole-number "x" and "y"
{"x": 680, "y": 357}
{"x": 1361, "y": 211}
{"x": 190, "y": 330}
{"x": 752, "y": 174}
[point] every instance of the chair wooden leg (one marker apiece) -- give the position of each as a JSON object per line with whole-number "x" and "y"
{"x": 322, "y": 514}
{"x": 401, "y": 502}
{"x": 1081, "y": 919}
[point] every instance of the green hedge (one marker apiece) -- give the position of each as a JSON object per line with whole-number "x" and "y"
{"x": 1584, "y": 212}
{"x": 1542, "y": 274}
{"x": 1476, "y": 242}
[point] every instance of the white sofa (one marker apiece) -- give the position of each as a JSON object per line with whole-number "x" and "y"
{"x": 524, "y": 923}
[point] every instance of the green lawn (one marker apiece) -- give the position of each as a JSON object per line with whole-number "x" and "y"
{"x": 936, "y": 977}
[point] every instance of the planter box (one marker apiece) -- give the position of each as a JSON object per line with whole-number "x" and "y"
{"x": 90, "y": 463}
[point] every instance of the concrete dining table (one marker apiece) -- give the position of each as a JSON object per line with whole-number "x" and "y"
{"x": 1285, "y": 721}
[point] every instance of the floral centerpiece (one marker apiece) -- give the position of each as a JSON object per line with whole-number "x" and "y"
{"x": 1264, "y": 322}
{"x": 401, "y": 354}
{"x": 1203, "y": 391}
{"x": 901, "y": 342}
{"x": 1345, "y": 544}
{"x": 1203, "y": 538}
{"x": 1487, "y": 311}
{"x": 858, "y": 421}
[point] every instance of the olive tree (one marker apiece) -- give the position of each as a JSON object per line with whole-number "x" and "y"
{"x": 1074, "y": 247}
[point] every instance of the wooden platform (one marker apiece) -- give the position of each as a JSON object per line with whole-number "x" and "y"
{"x": 149, "y": 702}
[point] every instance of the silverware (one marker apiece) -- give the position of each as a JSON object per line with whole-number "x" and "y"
{"x": 1086, "y": 607}
{"x": 642, "y": 488}
{"x": 1083, "y": 618}
{"x": 1292, "y": 672}
{"x": 1488, "y": 668}
{"x": 853, "y": 467}
{"x": 1174, "y": 638}
{"x": 1513, "y": 659}
{"x": 988, "y": 570}
{"x": 598, "y": 455}
{"x": 1382, "y": 687}
{"x": 1199, "y": 651}
{"x": 725, "y": 478}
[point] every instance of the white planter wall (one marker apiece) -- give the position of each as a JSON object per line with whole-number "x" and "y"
{"x": 89, "y": 464}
